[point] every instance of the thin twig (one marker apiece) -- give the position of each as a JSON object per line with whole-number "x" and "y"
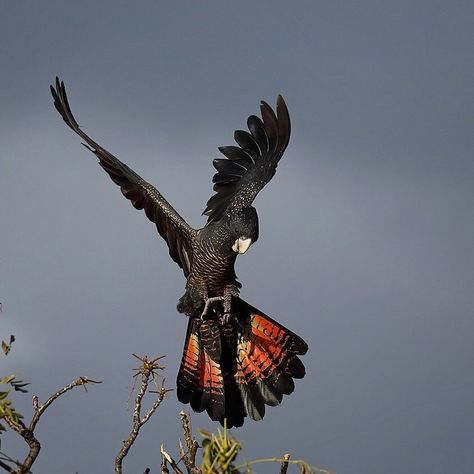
{"x": 30, "y": 440}
{"x": 298, "y": 462}
{"x": 40, "y": 409}
{"x": 27, "y": 433}
{"x": 6, "y": 467}
{"x": 147, "y": 371}
{"x": 5, "y": 457}
{"x": 189, "y": 458}
{"x": 164, "y": 464}
{"x": 167, "y": 459}
{"x": 17, "y": 426}
{"x": 285, "y": 463}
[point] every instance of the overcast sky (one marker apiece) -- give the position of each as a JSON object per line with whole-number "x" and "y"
{"x": 366, "y": 230}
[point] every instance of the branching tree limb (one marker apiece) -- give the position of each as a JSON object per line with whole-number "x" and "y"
{"x": 27, "y": 433}
{"x": 187, "y": 455}
{"x": 30, "y": 440}
{"x": 219, "y": 450}
{"x": 148, "y": 372}
{"x": 40, "y": 409}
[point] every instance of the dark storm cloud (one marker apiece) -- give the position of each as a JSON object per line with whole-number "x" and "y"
{"x": 366, "y": 230}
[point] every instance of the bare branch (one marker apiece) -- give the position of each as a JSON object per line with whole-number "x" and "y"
{"x": 4, "y": 457}
{"x": 6, "y": 467}
{"x": 34, "y": 446}
{"x": 27, "y": 433}
{"x": 40, "y": 409}
{"x": 187, "y": 453}
{"x": 17, "y": 426}
{"x": 189, "y": 458}
{"x": 30, "y": 440}
{"x": 164, "y": 465}
{"x": 148, "y": 371}
{"x": 167, "y": 459}
{"x": 303, "y": 465}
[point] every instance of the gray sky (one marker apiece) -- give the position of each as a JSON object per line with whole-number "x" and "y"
{"x": 365, "y": 232}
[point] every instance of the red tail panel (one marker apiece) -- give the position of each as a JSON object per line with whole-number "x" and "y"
{"x": 234, "y": 369}
{"x": 200, "y": 379}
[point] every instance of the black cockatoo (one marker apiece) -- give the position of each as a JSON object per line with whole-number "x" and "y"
{"x": 236, "y": 359}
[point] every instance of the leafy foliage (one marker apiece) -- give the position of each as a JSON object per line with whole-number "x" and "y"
{"x": 7, "y": 346}
{"x": 219, "y": 452}
{"x": 7, "y": 410}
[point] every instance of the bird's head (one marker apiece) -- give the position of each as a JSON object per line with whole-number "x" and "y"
{"x": 245, "y": 230}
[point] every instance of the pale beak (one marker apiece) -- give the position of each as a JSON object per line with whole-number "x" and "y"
{"x": 241, "y": 245}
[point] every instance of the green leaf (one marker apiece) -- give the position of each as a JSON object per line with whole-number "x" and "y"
{"x": 3, "y": 395}
{"x": 7, "y": 379}
{"x": 7, "y": 347}
{"x": 18, "y": 386}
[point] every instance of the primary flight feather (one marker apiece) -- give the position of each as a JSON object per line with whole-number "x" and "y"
{"x": 236, "y": 359}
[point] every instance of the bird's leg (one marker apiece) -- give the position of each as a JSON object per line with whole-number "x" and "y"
{"x": 229, "y": 292}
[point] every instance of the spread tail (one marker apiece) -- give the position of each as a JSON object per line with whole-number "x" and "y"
{"x": 233, "y": 369}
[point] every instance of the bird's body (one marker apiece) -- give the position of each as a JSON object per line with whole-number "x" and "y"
{"x": 236, "y": 359}
{"x": 212, "y": 267}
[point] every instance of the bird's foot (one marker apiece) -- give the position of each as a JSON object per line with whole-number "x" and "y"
{"x": 231, "y": 318}
{"x": 226, "y": 318}
{"x": 208, "y": 301}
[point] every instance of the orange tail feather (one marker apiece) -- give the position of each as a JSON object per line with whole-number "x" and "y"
{"x": 233, "y": 369}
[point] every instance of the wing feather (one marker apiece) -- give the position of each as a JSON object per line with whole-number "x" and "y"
{"x": 170, "y": 225}
{"x": 248, "y": 167}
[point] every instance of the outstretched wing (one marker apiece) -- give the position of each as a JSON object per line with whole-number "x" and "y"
{"x": 248, "y": 167}
{"x": 171, "y": 226}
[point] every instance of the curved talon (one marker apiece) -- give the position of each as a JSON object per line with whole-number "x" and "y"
{"x": 227, "y": 318}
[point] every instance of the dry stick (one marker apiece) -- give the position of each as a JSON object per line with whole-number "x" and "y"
{"x": 189, "y": 459}
{"x": 4, "y": 457}
{"x": 181, "y": 450}
{"x": 147, "y": 371}
{"x": 284, "y": 464}
{"x": 167, "y": 459}
{"x": 40, "y": 409}
{"x": 297, "y": 462}
{"x": 27, "y": 433}
{"x": 164, "y": 465}
{"x": 30, "y": 440}
{"x": 6, "y": 467}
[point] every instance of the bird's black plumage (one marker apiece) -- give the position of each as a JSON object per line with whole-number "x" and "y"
{"x": 249, "y": 166}
{"x": 236, "y": 359}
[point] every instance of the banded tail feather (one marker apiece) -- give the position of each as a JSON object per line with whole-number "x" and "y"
{"x": 233, "y": 369}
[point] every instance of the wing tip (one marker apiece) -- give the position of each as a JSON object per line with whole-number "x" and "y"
{"x": 269, "y": 134}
